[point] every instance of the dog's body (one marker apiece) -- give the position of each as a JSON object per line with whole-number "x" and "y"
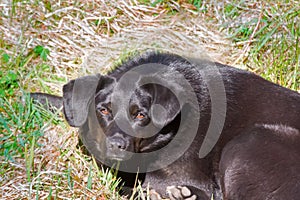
{"x": 257, "y": 155}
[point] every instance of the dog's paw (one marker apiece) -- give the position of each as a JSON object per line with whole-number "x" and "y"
{"x": 180, "y": 193}
{"x": 153, "y": 195}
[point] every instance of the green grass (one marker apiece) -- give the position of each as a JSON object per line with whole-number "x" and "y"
{"x": 269, "y": 31}
{"x": 22, "y": 126}
{"x": 272, "y": 38}
{"x": 277, "y": 52}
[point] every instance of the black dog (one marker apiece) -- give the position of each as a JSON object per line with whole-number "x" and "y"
{"x": 257, "y": 152}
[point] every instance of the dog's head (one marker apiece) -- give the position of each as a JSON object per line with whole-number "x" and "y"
{"x": 145, "y": 121}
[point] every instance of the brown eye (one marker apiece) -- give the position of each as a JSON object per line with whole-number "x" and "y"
{"x": 104, "y": 111}
{"x": 140, "y": 116}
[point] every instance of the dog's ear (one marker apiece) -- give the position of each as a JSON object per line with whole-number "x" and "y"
{"x": 77, "y": 96}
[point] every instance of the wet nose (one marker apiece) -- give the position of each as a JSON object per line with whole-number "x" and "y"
{"x": 116, "y": 143}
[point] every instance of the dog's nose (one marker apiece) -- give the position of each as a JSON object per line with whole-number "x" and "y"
{"x": 118, "y": 148}
{"x": 116, "y": 143}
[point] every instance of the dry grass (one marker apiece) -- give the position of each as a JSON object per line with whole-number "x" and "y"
{"x": 88, "y": 37}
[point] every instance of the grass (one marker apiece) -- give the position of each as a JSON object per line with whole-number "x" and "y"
{"x": 270, "y": 40}
{"x": 43, "y": 44}
{"x": 28, "y": 157}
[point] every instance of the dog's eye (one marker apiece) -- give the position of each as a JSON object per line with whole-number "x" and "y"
{"x": 104, "y": 111}
{"x": 140, "y": 116}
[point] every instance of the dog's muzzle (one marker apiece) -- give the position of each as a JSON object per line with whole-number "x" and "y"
{"x": 117, "y": 148}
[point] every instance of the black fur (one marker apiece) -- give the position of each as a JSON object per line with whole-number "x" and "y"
{"x": 50, "y": 102}
{"x": 256, "y": 157}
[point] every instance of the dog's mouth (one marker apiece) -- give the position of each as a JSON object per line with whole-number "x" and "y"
{"x": 118, "y": 155}
{"x": 116, "y": 158}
